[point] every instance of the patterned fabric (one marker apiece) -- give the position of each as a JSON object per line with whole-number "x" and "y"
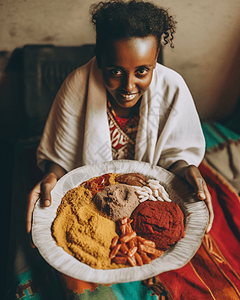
{"x": 223, "y": 145}
{"x": 123, "y": 133}
{"x": 82, "y": 290}
{"x": 214, "y": 272}
{"x": 42, "y": 282}
{"x": 39, "y": 283}
{"x": 217, "y": 135}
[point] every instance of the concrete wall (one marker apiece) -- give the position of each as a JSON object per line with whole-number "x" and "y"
{"x": 207, "y": 42}
{"x": 207, "y": 52}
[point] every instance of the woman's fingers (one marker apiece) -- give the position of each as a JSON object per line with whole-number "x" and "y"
{"x": 46, "y": 194}
{"x": 203, "y": 194}
{"x": 32, "y": 198}
{"x": 41, "y": 191}
{"x": 208, "y": 202}
{"x": 196, "y": 180}
{"x": 199, "y": 189}
{"x": 47, "y": 185}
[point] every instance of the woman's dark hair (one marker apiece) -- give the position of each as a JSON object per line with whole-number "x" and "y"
{"x": 135, "y": 18}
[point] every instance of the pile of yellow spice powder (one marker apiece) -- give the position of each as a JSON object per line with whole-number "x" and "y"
{"x": 82, "y": 231}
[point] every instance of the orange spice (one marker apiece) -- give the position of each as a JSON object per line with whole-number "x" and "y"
{"x": 82, "y": 231}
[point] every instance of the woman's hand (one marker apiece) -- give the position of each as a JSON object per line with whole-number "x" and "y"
{"x": 195, "y": 179}
{"x": 41, "y": 191}
{"x": 193, "y": 176}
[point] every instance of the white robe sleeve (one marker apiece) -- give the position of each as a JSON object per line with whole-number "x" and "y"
{"x": 169, "y": 128}
{"x": 62, "y": 139}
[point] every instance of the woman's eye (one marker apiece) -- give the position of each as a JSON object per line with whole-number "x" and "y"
{"x": 115, "y": 72}
{"x": 142, "y": 72}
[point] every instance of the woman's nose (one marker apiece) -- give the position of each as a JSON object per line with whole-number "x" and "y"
{"x": 129, "y": 83}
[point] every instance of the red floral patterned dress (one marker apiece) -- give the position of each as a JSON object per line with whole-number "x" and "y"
{"x": 123, "y": 133}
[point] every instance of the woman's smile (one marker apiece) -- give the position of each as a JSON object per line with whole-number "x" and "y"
{"x": 129, "y": 96}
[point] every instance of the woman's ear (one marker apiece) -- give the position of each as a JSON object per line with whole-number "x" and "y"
{"x": 98, "y": 56}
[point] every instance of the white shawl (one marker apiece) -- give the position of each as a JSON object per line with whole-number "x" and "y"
{"x": 77, "y": 130}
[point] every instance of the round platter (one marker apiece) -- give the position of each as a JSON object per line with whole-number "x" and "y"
{"x": 175, "y": 257}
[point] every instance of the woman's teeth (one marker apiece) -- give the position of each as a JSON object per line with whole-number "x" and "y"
{"x": 128, "y": 96}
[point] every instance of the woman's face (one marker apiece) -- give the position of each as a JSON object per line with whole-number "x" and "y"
{"x": 127, "y": 66}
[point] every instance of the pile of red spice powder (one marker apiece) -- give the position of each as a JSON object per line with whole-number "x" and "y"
{"x": 160, "y": 222}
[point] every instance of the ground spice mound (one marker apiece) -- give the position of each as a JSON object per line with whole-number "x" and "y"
{"x": 82, "y": 231}
{"x": 160, "y": 222}
{"x": 117, "y": 201}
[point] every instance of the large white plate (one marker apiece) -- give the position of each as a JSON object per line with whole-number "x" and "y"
{"x": 177, "y": 256}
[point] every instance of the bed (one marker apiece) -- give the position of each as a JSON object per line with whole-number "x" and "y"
{"x": 213, "y": 273}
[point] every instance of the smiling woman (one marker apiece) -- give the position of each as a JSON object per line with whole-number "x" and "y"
{"x": 127, "y": 66}
{"x": 123, "y": 105}
{"x": 127, "y": 51}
